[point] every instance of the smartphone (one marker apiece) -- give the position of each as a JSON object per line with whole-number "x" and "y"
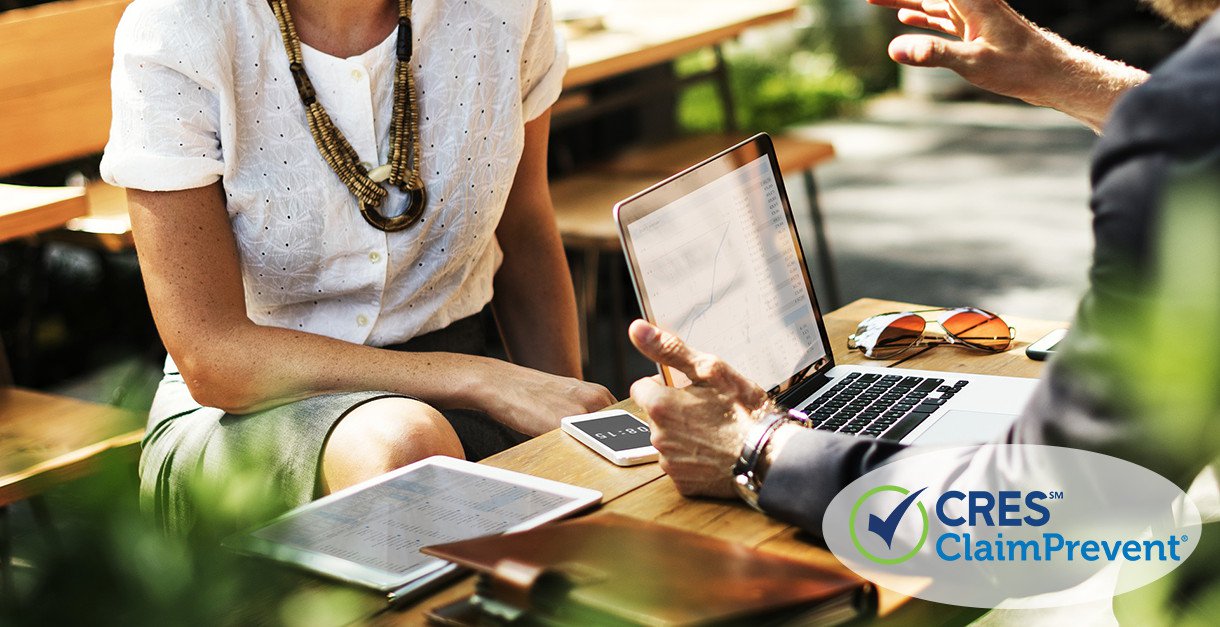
{"x": 614, "y": 434}
{"x": 1045, "y": 347}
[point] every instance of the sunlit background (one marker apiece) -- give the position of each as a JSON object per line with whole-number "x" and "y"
{"x": 937, "y": 194}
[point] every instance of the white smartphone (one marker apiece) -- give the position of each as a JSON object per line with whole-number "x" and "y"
{"x": 1045, "y": 347}
{"x": 614, "y": 434}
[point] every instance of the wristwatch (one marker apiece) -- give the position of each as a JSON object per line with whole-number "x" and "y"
{"x": 745, "y": 472}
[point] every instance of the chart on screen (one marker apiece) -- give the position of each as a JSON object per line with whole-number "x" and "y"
{"x": 720, "y": 268}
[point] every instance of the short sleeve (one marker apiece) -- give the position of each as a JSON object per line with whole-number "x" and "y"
{"x": 164, "y": 133}
{"x": 544, "y": 62}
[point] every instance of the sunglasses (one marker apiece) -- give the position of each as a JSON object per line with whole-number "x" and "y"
{"x": 889, "y": 335}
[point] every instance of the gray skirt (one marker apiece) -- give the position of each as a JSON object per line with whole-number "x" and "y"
{"x": 195, "y": 459}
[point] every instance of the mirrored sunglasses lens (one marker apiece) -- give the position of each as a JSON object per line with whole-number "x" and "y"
{"x": 979, "y": 328}
{"x": 899, "y": 335}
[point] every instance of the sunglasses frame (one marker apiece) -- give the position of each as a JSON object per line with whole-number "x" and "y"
{"x": 944, "y": 337}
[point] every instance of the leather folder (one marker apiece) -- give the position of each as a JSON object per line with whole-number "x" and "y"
{"x": 614, "y": 570}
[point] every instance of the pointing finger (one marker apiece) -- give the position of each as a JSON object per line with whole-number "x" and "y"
{"x": 665, "y": 348}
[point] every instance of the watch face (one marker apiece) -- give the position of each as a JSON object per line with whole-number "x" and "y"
{"x": 618, "y": 433}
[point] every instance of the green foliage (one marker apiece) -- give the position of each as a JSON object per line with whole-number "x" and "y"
{"x": 771, "y": 92}
{"x": 820, "y": 70}
{"x": 1156, "y": 358}
{"x": 117, "y": 566}
{"x": 856, "y": 35}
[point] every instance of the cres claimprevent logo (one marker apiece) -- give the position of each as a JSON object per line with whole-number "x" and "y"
{"x": 884, "y": 518}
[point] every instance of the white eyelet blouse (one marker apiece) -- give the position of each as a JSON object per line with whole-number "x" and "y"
{"x": 202, "y": 92}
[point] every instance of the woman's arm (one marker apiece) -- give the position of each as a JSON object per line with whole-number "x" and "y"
{"x": 191, "y": 270}
{"x": 534, "y": 303}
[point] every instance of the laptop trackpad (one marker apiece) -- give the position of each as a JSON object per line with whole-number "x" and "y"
{"x": 966, "y": 427}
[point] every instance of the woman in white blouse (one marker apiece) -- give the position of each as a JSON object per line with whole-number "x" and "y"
{"x": 275, "y": 296}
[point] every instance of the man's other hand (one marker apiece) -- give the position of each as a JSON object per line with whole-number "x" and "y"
{"x": 997, "y": 49}
{"x": 699, "y": 429}
{"x": 990, "y": 44}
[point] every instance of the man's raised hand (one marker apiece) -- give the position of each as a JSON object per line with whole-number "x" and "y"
{"x": 997, "y": 49}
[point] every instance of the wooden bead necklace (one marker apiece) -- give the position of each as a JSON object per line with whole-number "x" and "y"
{"x": 403, "y": 169}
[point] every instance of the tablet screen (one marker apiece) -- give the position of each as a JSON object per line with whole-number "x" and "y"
{"x": 381, "y": 527}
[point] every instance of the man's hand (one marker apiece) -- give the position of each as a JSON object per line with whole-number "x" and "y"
{"x": 997, "y": 49}
{"x": 698, "y": 429}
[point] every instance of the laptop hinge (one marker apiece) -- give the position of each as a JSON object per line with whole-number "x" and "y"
{"x": 803, "y": 390}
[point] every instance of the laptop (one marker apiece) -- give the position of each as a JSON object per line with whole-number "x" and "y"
{"x": 715, "y": 258}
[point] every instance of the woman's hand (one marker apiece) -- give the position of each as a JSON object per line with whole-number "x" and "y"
{"x": 533, "y": 402}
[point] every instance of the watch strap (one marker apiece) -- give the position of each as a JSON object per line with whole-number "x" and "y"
{"x": 745, "y": 471}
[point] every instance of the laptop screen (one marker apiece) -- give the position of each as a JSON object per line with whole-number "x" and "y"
{"x": 716, "y": 260}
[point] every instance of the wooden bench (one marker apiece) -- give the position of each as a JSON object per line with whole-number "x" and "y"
{"x": 55, "y": 62}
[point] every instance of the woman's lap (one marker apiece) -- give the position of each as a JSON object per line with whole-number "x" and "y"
{"x": 277, "y": 451}
{"x": 280, "y": 448}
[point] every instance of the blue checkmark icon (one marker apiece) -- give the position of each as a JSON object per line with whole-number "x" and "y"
{"x": 885, "y": 528}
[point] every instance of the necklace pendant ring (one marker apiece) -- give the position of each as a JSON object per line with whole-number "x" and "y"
{"x": 417, "y": 198}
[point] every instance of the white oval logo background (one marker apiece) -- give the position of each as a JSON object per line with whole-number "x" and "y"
{"x": 1011, "y": 522}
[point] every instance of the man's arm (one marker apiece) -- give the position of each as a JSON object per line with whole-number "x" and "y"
{"x": 997, "y": 49}
{"x": 699, "y": 430}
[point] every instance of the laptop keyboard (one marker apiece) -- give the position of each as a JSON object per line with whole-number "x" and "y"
{"x": 886, "y": 407}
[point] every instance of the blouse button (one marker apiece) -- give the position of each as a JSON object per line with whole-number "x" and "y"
{"x": 362, "y": 320}
{"x": 357, "y": 75}
{"x": 374, "y": 256}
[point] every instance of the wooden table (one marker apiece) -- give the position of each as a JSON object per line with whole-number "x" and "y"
{"x": 644, "y": 492}
{"x": 49, "y": 440}
{"x": 26, "y": 211}
{"x": 641, "y": 33}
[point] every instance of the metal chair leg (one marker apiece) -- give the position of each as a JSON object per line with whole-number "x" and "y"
{"x": 725, "y": 88}
{"x": 829, "y": 275}
{"x": 7, "y": 589}
{"x": 42, "y": 516}
{"x": 584, "y": 277}
{"x": 6, "y": 373}
{"x": 618, "y": 329}
{"x": 34, "y": 291}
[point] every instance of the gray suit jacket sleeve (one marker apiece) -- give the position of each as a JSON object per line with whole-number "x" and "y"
{"x": 1083, "y": 401}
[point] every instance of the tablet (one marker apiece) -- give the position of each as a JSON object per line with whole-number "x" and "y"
{"x": 370, "y": 534}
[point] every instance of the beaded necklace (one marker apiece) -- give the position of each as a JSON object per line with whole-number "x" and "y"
{"x": 403, "y": 169}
